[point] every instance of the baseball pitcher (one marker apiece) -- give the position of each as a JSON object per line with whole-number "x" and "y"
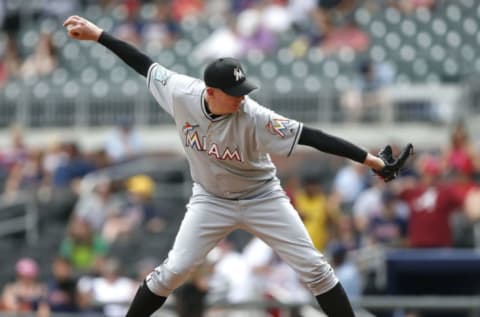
{"x": 228, "y": 138}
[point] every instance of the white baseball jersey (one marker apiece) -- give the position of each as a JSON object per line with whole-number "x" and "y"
{"x": 228, "y": 155}
{"x": 235, "y": 184}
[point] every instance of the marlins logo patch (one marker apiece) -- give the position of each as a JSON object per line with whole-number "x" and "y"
{"x": 162, "y": 75}
{"x": 280, "y": 126}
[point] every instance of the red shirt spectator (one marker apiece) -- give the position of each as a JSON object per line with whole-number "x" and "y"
{"x": 349, "y": 35}
{"x": 431, "y": 204}
{"x": 430, "y": 210}
{"x": 185, "y": 8}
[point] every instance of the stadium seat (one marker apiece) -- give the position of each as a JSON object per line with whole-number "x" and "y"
{"x": 393, "y": 16}
{"x": 71, "y": 89}
{"x": 285, "y": 56}
{"x": 408, "y": 28}
{"x": 89, "y": 75}
{"x": 130, "y": 87}
{"x": 299, "y": 69}
{"x": 362, "y": 17}
{"x": 312, "y": 83}
{"x": 283, "y": 84}
{"x": 59, "y": 76}
{"x": 183, "y": 47}
{"x": 118, "y": 74}
{"x": 268, "y": 70}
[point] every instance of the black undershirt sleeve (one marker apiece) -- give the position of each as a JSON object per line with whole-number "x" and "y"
{"x": 129, "y": 54}
{"x": 331, "y": 144}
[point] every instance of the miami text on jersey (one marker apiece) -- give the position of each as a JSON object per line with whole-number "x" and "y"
{"x": 195, "y": 141}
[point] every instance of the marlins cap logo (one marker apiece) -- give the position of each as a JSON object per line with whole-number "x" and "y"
{"x": 238, "y": 74}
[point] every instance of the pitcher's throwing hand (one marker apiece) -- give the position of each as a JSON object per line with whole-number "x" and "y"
{"x": 81, "y": 29}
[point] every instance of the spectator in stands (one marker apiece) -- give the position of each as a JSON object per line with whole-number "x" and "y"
{"x": 460, "y": 149}
{"x": 111, "y": 290}
{"x": 124, "y": 143}
{"x": 26, "y": 293}
{"x": 11, "y": 58}
{"x": 367, "y": 99}
{"x": 409, "y": 6}
{"x": 10, "y": 17}
{"x": 99, "y": 158}
{"x": 229, "y": 280}
{"x": 259, "y": 26}
{"x": 17, "y": 151}
{"x": 10, "y": 61}
{"x": 138, "y": 212}
{"x": 432, "y": 202}
{"x": 388, "y": 227}
{"x": 346, "y": 270}
{"x": 271, "y": 278}
{"x": 52, "y": 159}
{"x": 183, "y": 9}
{"x": 58, "y": 9}
{"x": 346, "y": 233}
{"x": 96, "y": 206}
{"x": 140, "y": 192}
{"x": 238, "y": 6}
{"x": 163, "y": 30}
{"x": 223, "y": 41}
{"x": 319, "y": 217}
{"x": 348, "y": 183}
{"x": 43, "y": 60}
{"x": 15, "y": 154}
{"x": 83, "y": 248}
{"x": 62, "y": 287}
{"x": 322, "y": 16}
{"x": 25, "y": 175}
{"x": 300, "y": 14}
{"x": 73, "y": 167}
{"x": 367, "y": 205}
{"x": 130, "y": 28}
{"x": 3, "y": 73}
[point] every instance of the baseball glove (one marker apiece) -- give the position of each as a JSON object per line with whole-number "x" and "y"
{"x": 392, "y": 165}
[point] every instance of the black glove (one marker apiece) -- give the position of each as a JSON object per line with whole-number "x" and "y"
{"x": 392, "y": 165}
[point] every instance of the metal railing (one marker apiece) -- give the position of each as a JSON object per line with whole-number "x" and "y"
{"x": 44, "y": 106}
{"x": 19, "y": 215}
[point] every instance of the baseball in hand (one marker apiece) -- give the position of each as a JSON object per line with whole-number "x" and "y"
{"x": 70, "y": 28}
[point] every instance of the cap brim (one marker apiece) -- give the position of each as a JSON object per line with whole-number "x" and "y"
{"x": 243, "y": 89}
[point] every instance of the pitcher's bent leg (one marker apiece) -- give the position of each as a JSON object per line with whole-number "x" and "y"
{"x": 203, "y": 226}
{"x": 279, "y": 225}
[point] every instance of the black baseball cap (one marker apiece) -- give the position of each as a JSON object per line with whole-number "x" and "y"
{"x": 228, "y": 75}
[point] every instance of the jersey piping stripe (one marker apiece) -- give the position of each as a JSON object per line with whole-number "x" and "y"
{"x": 295, "y": 141}
{"x": 149, "y": 74}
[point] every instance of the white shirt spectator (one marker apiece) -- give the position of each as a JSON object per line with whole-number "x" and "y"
{"x": 123, "y": 143}
{"x": 229, "y": 280}
{"x": 222, "y": 42}
{"x": 349, "y": 182}
{"x": 270, "y": 275}
{"x": 112, "y": 291}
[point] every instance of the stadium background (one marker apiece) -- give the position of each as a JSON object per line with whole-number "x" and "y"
{"x": 88, "y": 156}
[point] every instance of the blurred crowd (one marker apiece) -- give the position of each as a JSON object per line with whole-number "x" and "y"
{"x": 351, "y": 215}
{"x": 245, "y": 29}
{"x": 239, "y": 27}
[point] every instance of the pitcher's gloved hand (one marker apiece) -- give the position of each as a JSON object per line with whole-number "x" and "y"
{"x": 392, "y": 164}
